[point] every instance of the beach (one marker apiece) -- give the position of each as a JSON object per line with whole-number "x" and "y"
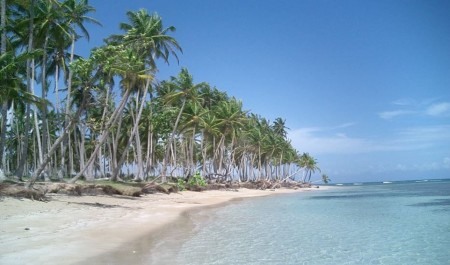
{"x": 75, "y": 229}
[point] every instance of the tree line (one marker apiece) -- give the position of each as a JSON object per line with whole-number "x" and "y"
{"x": 108, "y": 116}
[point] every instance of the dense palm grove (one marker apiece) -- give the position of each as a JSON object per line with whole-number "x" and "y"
{"x": 66, "y": 117}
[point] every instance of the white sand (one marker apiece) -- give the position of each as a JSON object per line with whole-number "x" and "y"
{"x": 71, "y": 229}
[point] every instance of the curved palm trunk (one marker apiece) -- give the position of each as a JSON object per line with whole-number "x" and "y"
{"x": 135, "y": 134}
{"x": 24, "y": 153}
{"x": 55, "y": 146}
{"x": 4, "y": 112}
{"x": 203, "y": 151}
{"x": 167, "y": 153}
{"x": 67, "y": 142}
{"x": 115, "y": 146}
{"x": 4, "y": 107}
{"x": 24, "y": 149}
{"x": 104, "y": 135}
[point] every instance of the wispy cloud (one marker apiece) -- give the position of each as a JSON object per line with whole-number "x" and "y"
{"x": 344, "y": 125}
{"x": 312, "y": 140}
{"x": 423, "y": 108}
{"x": 325, "y": 141}
{"x": 387, "y": 115}
{"x": 425, "y": 166}
{"x": 438, "y": 109}
{"x": 446, "y": 162}
{"x": 404, "y": 102}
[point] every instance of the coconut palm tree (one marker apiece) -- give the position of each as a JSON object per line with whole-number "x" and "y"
{"x": 12, "y": 87}
{"x": 309, "y": 164}
{"x": 107, "y": 62}
{"x": 83, "y": 68}
{"x": 232, "y": 119}
{"x": 4, "y": 104}
{"x": 183, "y": 89}
{"x": 279, "y": 127}
{"x": 191, "y": 121}
{"x": 146, "y": 37}
{"x": 325, "y": 178}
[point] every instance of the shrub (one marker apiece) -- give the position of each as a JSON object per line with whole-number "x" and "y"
{"x": 181, "y": 184}
{"x": 197, "y": 180}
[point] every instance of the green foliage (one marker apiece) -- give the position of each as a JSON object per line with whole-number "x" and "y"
{"x": 197, "y": 180}
{"x": 325, "y": 179}
{"x": 181, "y": 184}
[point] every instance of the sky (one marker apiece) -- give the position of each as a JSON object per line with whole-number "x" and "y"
{"x": 364, "y": 86}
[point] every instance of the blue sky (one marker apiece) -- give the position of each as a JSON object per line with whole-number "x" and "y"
{"x": 364, "y": 86}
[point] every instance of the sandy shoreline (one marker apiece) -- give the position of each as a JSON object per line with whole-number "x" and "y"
{"x": 71, "y": 229}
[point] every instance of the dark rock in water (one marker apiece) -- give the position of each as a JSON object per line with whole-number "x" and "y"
{"x": 26, "y": 228}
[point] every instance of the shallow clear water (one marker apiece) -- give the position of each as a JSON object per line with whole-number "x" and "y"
{"x": 392, "y": 223}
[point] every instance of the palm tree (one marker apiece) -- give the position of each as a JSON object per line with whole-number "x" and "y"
{"x": 82, "y": 67}
{"x": 325, "y": 179}
{"x": 309, "y": 164}
{"x": 77, "y": 15}
{"x": 12, "y": 87}
{"x": 4, "y": 104}
{"x": 147, "y": 36}
{"x": 50, "y": 26}
{"x": 279, "y": 127}
{"x": 192, "y": 119}
{"x": 29, "y": 65}
{"x": 111, "y": 61}
{"x": 183, "y": 89}
{"x": 232, "y": 119}
{"x": 210, "y": 127}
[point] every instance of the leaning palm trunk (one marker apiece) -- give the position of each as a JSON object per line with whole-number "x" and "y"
{"x": 100, "y": 152}
{"x": 55, "y": 145}
{"x": 134, "y": 133}
{"x": 4, "y": 107}
{"x": 283, "y": 180}
{"x": 45, "y": 133}
{"x": 24, "y": 153}
{"x": 67, "y": 141}
{"x": 104, "y": 135}
{"x": 168, "y": 146}
{"x": 4, "y": 112}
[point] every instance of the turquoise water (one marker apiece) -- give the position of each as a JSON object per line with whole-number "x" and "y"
{"x": 391, "y": 223}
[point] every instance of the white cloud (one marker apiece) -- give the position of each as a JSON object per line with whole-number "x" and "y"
{"x": 387, "y": 115}
{"x": 446, "y": 162}
{"x": 404, "y": 102}
{"x": 438, "y": 109}
{"x": 425, "y": 134}
{"x": 426, "y": 166}
{"x": 326, "y": 141}
{"x": 309, "y": 140}
{"x": 410, "y": 107}
{"x": 345, "y": 125}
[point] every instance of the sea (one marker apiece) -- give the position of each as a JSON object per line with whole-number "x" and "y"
{"x": 389, "y": 223}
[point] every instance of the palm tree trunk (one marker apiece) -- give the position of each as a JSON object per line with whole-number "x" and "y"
{"x": 134, "y": 133}
{"x": 67, "y": 143}
{"x": 203, "y": 150}
{"x": 24, "y": 153}
{"x": 55, "y": 146}
{"x": 149, "y": 155}
{"x": 44, "y": 97}
{"x": 4, "y": 107}
{"x": 104, "y": 135}
{"x": 168, "y": 146}
{"x": 4, "y": 112}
